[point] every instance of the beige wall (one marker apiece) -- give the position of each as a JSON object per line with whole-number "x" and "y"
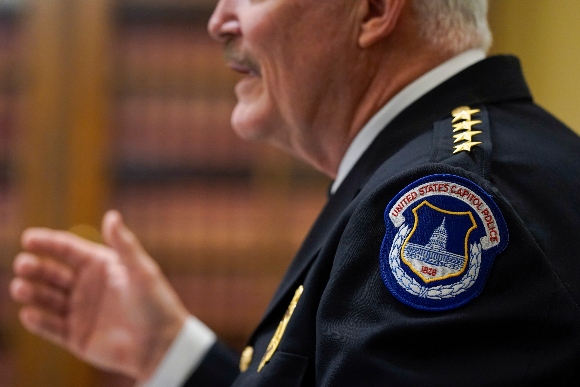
{"x": 545, "y": 34}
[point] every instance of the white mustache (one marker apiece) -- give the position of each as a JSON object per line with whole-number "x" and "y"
{"x": 235, "y": 56}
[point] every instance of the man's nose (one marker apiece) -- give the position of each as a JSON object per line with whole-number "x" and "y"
{"x": 224, "y": 23}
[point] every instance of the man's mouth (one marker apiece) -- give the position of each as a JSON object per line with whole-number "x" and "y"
{"x": 242, "y": 68}
{"x": 239, "y": 61}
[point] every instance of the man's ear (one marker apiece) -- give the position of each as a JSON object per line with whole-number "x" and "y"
{"x": 379, "y": 18}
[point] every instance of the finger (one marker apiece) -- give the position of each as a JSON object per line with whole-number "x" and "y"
{"x": 64, "y": 246}
{"x": 45, "y": 324}
{"x": 43, "y": 270}
{"x": 121, "y": 239}
{"x": 38, "y": 295}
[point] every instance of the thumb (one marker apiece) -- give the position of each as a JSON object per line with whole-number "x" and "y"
{"x": 117, "y": 236}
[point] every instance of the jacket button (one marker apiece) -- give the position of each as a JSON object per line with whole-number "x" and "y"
{"x": 246, "y": 358}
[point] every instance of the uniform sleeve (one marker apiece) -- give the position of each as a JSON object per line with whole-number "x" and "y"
{"x": 521, "y": 329}
{"x": 219, "y": 368}
{"x": 184, "y": 356}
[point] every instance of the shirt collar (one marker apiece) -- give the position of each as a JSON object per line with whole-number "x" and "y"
{"x": 397, "y": 104}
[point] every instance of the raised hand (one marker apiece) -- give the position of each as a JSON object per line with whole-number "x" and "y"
{"x": 110, "y": 305}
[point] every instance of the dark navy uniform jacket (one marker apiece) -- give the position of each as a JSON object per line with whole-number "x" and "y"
{"x": 523, "y": 326}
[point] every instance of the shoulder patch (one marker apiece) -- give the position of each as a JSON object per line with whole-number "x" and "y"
{"x": 442, "y": 235}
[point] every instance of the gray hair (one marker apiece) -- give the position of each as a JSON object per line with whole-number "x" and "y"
{"x": 454, "y": 25}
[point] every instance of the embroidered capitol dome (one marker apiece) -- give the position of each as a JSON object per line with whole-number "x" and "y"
{"x": 438, "y": 240}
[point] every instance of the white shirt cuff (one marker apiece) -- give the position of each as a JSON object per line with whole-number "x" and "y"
{"x": 184, "y": 356}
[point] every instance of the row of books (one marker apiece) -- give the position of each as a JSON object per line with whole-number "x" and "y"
{"x": 178, "y": 58}
{"x": 171, "y": 131}
{"x": 220, "y": 226}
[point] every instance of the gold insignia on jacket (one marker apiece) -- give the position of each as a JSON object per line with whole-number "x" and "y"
{"x": 246, "y": 358}
{"x": 273, "y": 345}
{"x": 463, "y": 123}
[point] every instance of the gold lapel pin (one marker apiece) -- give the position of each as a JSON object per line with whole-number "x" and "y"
{"x": 246, "y": 358}
{"x": 273, "y": 345}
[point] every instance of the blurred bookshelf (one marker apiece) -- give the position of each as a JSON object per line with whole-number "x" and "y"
{"x": 126, "y": 104}
{"x": 223, "y": 217}
{"x": 202, "y": 200}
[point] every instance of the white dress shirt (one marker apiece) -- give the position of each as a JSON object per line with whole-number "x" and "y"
{"x": 195, "y": 339}
{"x": 398, "y": 103}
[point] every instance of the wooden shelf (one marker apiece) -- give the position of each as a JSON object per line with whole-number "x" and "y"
{"x": 170, "y": 61}
{"x": 167, "y": 11}
{"x": 152, "y": 175}
{"x": 177, "y": 136}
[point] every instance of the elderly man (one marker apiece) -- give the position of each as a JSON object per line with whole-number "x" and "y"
{"x": 444, "y": 256}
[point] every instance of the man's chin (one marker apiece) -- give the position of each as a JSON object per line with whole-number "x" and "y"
{"x": 246, "y": 126}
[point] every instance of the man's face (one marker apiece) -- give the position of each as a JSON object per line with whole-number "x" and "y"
{"x": 291, "y": 53}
